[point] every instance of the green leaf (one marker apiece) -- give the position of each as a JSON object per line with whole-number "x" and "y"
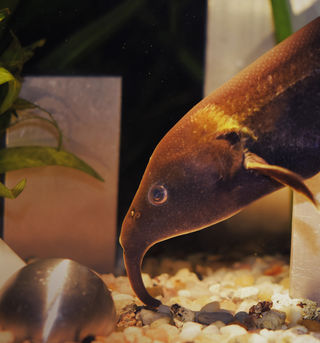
{"x": 14, "y": 192}
{"x": 12, "y": 91}
{"x": 4, "y": 13}
{"x": 37, "y": 156}
{"x": 15, "y": 56}
{"x": 281, "y": 19}
{"x": 5, "y": 76}
{"x": 23, "y": 104}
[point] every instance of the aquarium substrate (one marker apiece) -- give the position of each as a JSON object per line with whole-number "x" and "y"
{"x": 207, "y": 300}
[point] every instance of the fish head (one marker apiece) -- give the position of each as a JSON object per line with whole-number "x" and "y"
{"x": 189, "y": 183}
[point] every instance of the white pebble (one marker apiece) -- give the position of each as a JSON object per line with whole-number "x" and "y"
{"x": 160, "y": 322}
{"x": 226, "y": 293}
{"x": 133, "y": 334}
{"x": 246, "y": 292}
{"x": 122, "y": 297}
{"x": 233, "y": 330}
{"x": 214, "y": 288}
{"x": 122, "y": 300}
{"x": 281, "y": 300}
{"x": 190, "y": 331}
{"x": 298, "y": 330}
{"x": 255, "y": 338}
{"x": 269, "y": 334}
{"x": 147, "y": 280}
{"x": 246, "y": 304}
{"x": 265, "y": 279}
{"x": 210, "y": 330}
{"x": 184, "y": 293}
{"x": 305, "y": 339}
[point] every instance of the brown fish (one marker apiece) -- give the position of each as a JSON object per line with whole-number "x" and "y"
{"x": 253, "y": 135}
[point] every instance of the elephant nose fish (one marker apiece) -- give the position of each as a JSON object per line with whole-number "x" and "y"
{"x": 258, "y": 132}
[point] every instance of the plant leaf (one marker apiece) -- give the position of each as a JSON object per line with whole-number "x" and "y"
{"x": 23, "y": 104}
{"x": 12, "y": 91}
{"x": 37, "y": 156}
{"x": 4, "y": 13}
{"x": 15, "y": 56}
{"x": 14, "y": 192}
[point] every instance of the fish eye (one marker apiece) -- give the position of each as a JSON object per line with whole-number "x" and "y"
{"x": 157, "y": 195}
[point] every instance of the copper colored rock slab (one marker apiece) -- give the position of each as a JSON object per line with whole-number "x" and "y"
{"x": 63, "y": 212}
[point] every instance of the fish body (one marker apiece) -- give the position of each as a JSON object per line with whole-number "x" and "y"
{"x": 253, "y": 135}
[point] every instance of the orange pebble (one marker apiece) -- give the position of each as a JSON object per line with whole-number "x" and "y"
{"x": 273, "y": 270}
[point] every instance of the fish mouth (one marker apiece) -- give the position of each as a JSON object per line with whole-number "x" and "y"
{"x": 133, "y": 260}
{"x": 135, "y": 244}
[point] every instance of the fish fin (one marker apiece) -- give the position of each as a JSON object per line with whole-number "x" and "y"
{"x": 280, "y": 174}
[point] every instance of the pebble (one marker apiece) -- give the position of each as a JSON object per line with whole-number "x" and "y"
{"x": 214, "y": 288}
{"x": 211, "y": 330}
{"x": 269, "y": 334}
{"x": 128, "y": 317}
{"x": 211, "y": 317}
{"x": 205, "y": 298}
{"x": 122, "y": 300}
{"x": 190, "y": 331}
{"x": 147, "y": 316}
{"x": 159, "y": 334}
{"x": 310, "y": 309}
{"x": 182, "y": 314}
{"x": 211, "y": 307}
{"x": 255, "y": 338}
{"x": 133, "y": 334}
{"x": 312, "y": 325}
{"x": 243, "y": 318}
{"x": 246, "y": 292}
{"x": 161, "y": 321}
{"x": 272, "y": 320}
{"x": 233, "y": 330}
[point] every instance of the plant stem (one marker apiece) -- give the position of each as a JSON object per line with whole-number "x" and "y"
{"x": 281, "y": 19}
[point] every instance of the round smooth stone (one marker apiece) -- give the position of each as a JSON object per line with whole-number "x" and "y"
{"x": 55, "y": 300}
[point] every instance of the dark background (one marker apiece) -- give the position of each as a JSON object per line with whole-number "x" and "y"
{"x": 158, "y": 49}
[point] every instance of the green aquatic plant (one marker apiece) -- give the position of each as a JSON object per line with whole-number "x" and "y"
{"x": 12, "y": 60}
{"x": 281, "y": 19}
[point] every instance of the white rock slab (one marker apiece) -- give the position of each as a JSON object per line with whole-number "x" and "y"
{"x": 10, "y": 262}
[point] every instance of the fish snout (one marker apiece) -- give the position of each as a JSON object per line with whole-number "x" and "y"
{"x": 135, "y": 245}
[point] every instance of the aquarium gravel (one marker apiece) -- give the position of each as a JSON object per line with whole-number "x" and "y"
{"x": 207, "y": 300}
